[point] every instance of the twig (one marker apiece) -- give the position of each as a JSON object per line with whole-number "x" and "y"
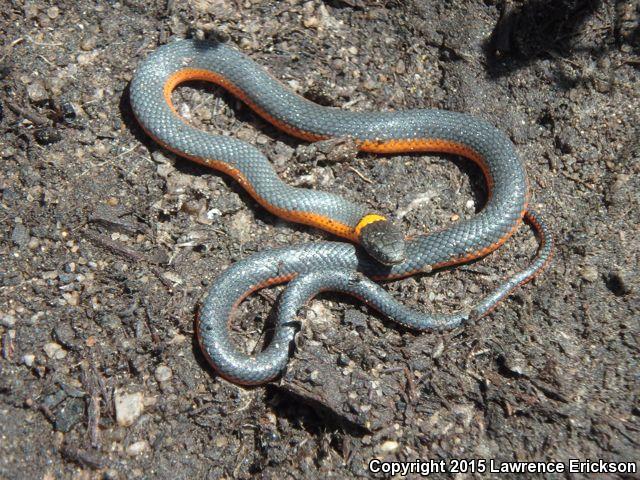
{"x": 82, "y": 457}
{"x": 7, "y": 346}
{"x": 368, "y": 180}
{"x": 32, "y": 117}
{"x": 42, "y": 44}
{"x": 119, "y": 249}
{"x": 410, "y": 386}
{"x": 577, "y": 180}
{"x": 116, "y": 247}
{"x": 93, "y": 420}
{"x": 148, "y": 319}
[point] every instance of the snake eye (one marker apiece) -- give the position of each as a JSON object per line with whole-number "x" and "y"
{"x": 383, "y": 241}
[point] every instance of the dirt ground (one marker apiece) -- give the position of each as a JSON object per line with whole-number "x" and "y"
{"x": 109, "y": 242}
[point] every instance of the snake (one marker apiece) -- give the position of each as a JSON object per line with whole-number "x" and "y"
{"x": 376, "y": 249}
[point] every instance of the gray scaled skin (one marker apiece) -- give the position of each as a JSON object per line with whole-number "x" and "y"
{"x": 329, "y": 265}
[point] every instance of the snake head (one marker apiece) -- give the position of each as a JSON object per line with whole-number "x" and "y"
{"x": 384, "y": 241}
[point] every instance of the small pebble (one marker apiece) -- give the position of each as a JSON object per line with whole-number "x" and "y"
{"x": 7, "y": 152}
{"x": 282, "y": 155}
{"x": 85, "y": 58}
{"x": 473, "y": 288}
{"x": 138, "y": 447}
{"x": 28, "y": 359}
{"x": 163, "y": 373}
{"x": 72, "y": 298}
{"x": 66, "y": 277}
{"x": 53, "y": 12}
{"x": 129, "y": 406}
{"x": 30, "y": 10}
{"x": 35, "y": 318}
{"x": 311, "y": 22}
{"x": 241, "y": 227}
{"x": 88, "y": 44}
{"x": 54, "y": 351}
{"x": 173, "y": 277}
{"x": 221, "y": 441}
{"x": 370, "y": 84}
{"x": 56, "y": 85}
{"x": 515, "y": 363}
{"x": 589, "y": 273}
{"x": 438, "y": 350}
{"x": 111, "y": 474}
{"x": 246, "y": 44}
{"x": 68, "y": 110}
{"x": 36, "y": 92}
{"x": 20, "y": 235}
{"x": 389, "y": 446}
{"x": 159, "y": 156}
{"x": 7, "y": 321}
{"x": 314, "y": 378}
{"x": 165, "y": 169}
{"x": 44, "y": 21}
{"x": 343, "y": 360}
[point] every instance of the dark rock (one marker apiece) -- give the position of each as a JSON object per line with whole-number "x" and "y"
{"x": 70, "y": 415}
{"x": 20, "y": 235}
{"x": 47, "y": 135}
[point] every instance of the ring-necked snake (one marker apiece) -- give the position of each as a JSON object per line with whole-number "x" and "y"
{"x": 332, "y": 266}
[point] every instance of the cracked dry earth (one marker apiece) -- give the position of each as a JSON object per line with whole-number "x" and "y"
{"x": 109, "y": 242}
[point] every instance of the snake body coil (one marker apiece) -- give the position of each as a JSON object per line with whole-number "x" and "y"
{"x": 328, "y": 265}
